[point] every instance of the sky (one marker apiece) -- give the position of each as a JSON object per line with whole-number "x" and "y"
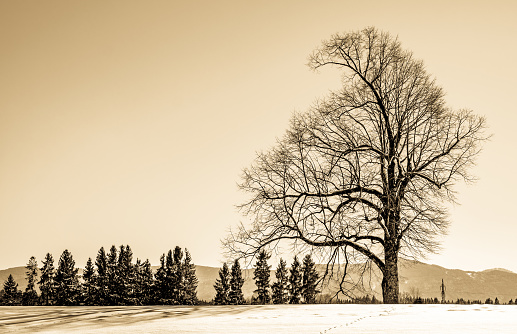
{"x": 130, "y": 122}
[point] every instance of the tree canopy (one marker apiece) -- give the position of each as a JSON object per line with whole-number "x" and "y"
{"x": 363, "y": 175}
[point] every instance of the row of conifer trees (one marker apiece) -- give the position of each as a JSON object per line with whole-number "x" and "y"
{"x": 294, "y": 285}
{"x": 114, "y": 279}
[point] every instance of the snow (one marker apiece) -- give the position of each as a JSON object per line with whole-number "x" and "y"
{"x": 262, "y": 319}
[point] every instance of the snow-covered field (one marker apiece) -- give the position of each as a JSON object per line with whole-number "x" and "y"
{"x": 262, "y": 319}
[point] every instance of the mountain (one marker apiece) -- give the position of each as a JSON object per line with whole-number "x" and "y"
{"x": 469, "y": 285}
{"x": 416, "y": 279}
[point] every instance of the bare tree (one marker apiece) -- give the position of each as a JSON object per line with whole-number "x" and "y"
{"x": 363, "y": 174}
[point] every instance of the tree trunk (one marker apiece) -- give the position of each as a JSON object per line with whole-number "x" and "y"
{"x": 390, "y": 280}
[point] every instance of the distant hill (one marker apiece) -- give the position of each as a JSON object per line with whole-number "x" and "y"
{"x": 469, "y": 285}
{"x": 416, "y": 278}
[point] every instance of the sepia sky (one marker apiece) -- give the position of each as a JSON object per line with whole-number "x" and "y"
{"x": 129, "y": 122}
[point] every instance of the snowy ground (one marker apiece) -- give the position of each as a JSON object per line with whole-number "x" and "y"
{"x": 262, "y": 319}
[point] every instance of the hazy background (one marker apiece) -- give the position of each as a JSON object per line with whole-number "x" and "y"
{"x": 129, "y": 122}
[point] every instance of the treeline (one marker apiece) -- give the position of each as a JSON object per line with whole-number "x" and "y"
{"x": 294, "y": 285}
{"x": 114, "y": 279}
{"x": 458, "y": 301}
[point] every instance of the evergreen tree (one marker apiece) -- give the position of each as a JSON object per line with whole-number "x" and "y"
{"x": 125, "y": 276}
{"x": 129, "y": 269}
{"x": 309, "y": 280}
{"x": 160, "y": 279}
{"x": 168, "y": 284}
{"x": 67, "y": 283}
{"x": 222, "y": 286}
{"x": 10, "y": 291}
{"x": 46, "y": 282}
{"x": 120, "y": 279}
{"x": 261, "y": 276}
{"x": 295, "y": 282}
{"x": 100, "y": 293}
{"x": 176, "y": 278}
{"x": 147, "y": 282}
{"x": 280, "y": 289}
{"x": 88, "y": 287}
{"x": 235, "y": 296}
{"x": 143, "y": 284}
{"x": 190, "y": 280}
{"x": 112, "y": 277}
{"x": 30, "y": 296}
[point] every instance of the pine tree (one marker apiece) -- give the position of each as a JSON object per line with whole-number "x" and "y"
{"x": 30, "y": 296}
{"x": 261, "y": 276}
{"x": 309, "y": 280}
{"x": 167, "y": 287}
{"x": 160, "y": 279}
{"x": 222, "y": 286}
{"x": 88, "y": 287}
{"x": 10, "y": 291}
{"x": 46, "y": 282}
{"x": 67, "y": 282}
{"x": 190, "y": 280}
{"x": 120, "y": 279}
{"x": 235, "y": 296}
{"x": 100, "y": 294}
{"x": 147, "y": 282}
{"x": 125, "y": 276}
{"x": 280, "y": 289}
{"x": 112, "y": 276}
{"x": 295, "y": 282}
{"x": 176, "y": 278}
{"x": 143, "y": 283}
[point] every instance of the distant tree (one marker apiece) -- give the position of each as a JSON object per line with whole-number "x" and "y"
{"x": 148, "y": 279}
{"x": 167, "y": 288}
{"x": 125, "y": 276}
{"x": 67, "y": 282}
{"x": 489, "y": 301}
{"x": 510, "y": 302}
{"x": 295, "y": 282}
{"x": 261, "y": 276}
{"x": 309, "y": 280}
{"x": 160, "y": 282}
{"x": 170, "y": 279}
{"x": 46, "y": 282}
{"x": 280, "y": 289}
{"x": 222, "y": 286}
{"x": 112, "y": 276}
{"x": 10, "y": 291}
{"x": 190, "y": 280}
{"x": 496, "y": 301}
{"x": 88, "y": 286}
{"x": 101, "y": 294}
{"x": 143, "y": 286}
{"x": 176, "y": 277}
{"x": 235, "y": 296}
{"x": 30, "y": 296}
{"x": 138, "y": 293}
